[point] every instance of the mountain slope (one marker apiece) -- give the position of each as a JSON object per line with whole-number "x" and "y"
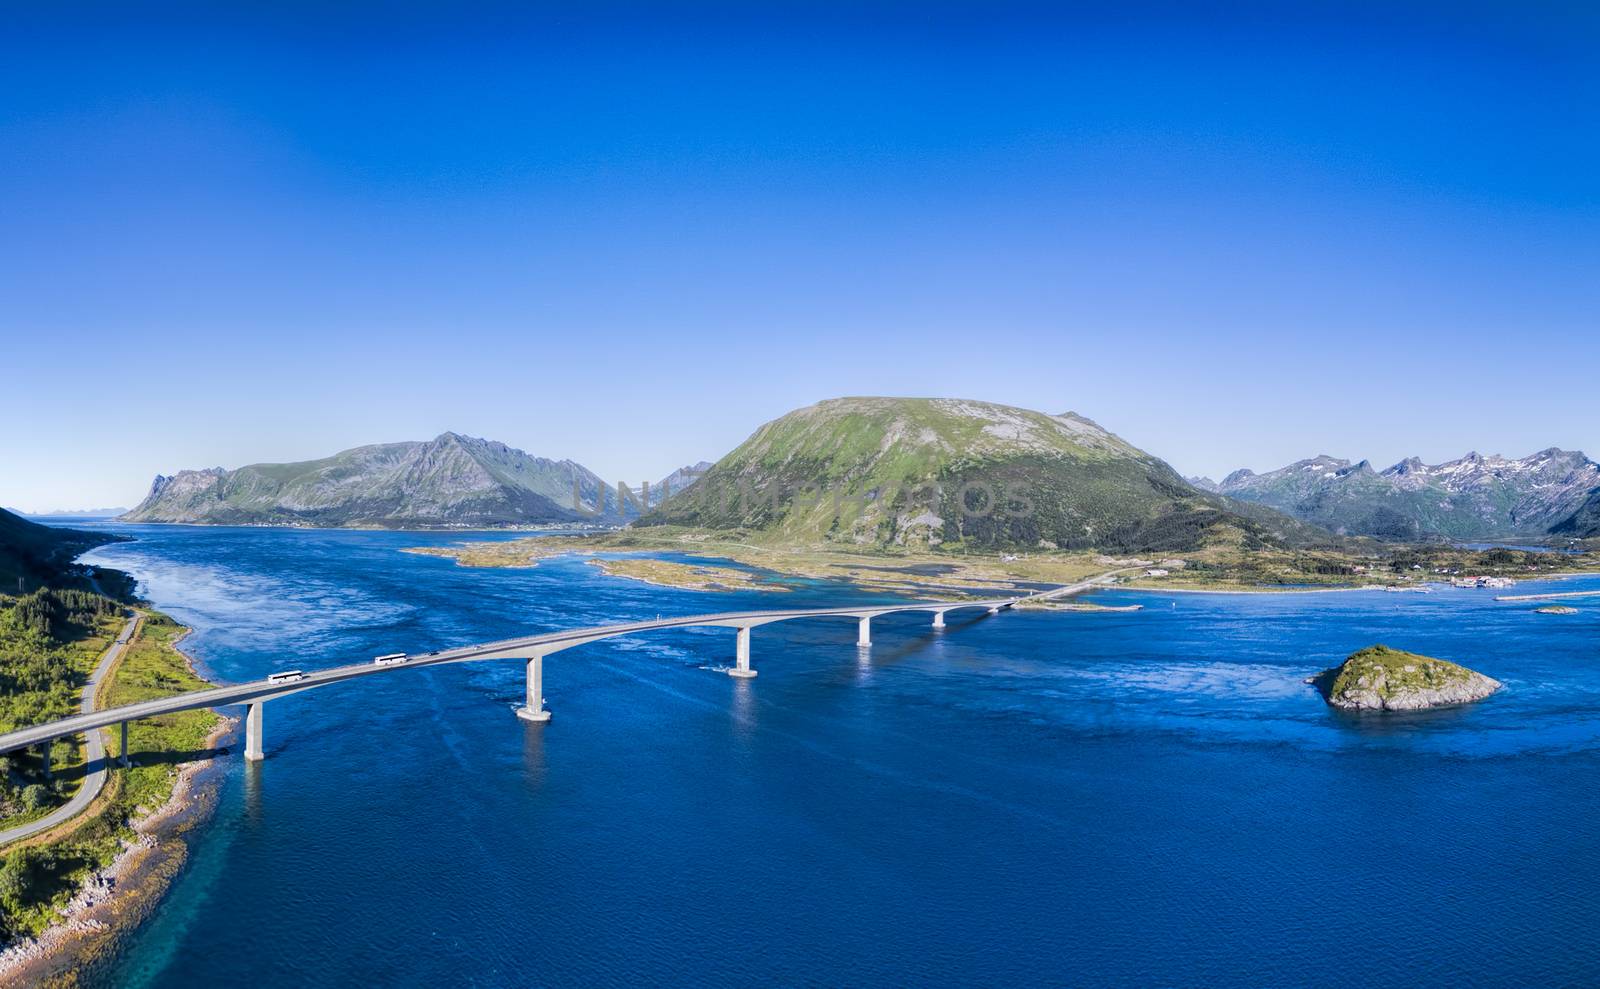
{"x": 451, "y": 480}
{"x": 1584, "y": 523}
{"x": 883, "y": 471}
{"x": 1475, "y": 497}
{"x": 32, "y": 555}
{"x": 675, "y": 482}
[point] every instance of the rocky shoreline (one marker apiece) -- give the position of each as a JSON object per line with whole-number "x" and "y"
{"x": 113, "y": 900}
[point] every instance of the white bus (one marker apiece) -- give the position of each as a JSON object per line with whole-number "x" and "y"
{"x": 285, "y": 676}
{"x": 394, "y": 657}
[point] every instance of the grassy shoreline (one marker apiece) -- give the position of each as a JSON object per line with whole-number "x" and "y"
{"x": 688, "y": 576}
{"x": 869, "y": 570}
{"x": 77, "y": 884}
{"x": 1210, "y": 570}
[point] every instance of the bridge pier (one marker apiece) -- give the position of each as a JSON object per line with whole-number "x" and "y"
{"x": 938, "y": 619}
{"x": 125, "y": 760}
{"x": 534, "y": 710}
{"x": 252, "y": 732}
{"x": 741, "y": 654}
{"x": 46, "y": 749}
{"x": 864, "y": 632}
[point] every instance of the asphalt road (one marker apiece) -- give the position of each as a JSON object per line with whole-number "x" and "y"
{"x": 98, "y": 768}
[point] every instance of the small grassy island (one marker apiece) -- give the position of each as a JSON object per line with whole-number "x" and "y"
{"x": 1557, "y": 609}
{"x": 694, "y": 576}
{"x": 1382, "y": 679}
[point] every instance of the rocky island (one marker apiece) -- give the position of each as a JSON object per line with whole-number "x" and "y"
{"x": 1382, "y": 679}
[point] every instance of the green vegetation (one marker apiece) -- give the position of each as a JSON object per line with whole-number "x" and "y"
{"x": 957, "y": 476}
{"x": 34, "y": 555}
{"x": 153, "y": 668}
{"x": 451, "y": 480}
{"x": 693, "y": 576}
{"x": 515, "y": 553}
{"x": 39, "y": 877}
{"x": 1381, "y": 678}
{"x": 885, "y": 569}
{"x": 1358, "y": 566}
{"x": 1231, "y": 561}
{"x": 1399, "y": 671}
{"x": 1439, "y": 562}
{"x": 50, "y": 641}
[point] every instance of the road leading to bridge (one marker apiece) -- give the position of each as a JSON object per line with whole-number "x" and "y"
{"x": 95, "y": 756}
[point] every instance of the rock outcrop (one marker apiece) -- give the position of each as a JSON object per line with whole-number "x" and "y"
{"x": 1382, "y": 679}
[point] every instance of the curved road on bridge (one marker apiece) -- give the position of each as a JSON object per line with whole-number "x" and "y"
{"x": 528, "y": 647}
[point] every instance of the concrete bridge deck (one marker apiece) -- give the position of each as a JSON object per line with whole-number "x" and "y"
{"x": 531, "y": 648}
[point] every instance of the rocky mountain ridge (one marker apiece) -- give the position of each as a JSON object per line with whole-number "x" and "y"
{"x": 449, "y": 481}
{"x": 1475, "y": 497}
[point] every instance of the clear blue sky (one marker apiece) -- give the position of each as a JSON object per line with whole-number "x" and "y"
{"x": 1236, "y": 234}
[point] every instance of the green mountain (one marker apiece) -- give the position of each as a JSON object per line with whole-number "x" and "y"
{"x": 449, "y": 481}
{"x": 956, "y": 473}
{"x": 1473, "y": 498}
{"x": 34, "y": 555}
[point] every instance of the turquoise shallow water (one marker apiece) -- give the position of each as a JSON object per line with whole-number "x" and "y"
{"x": 1117, "y": 798}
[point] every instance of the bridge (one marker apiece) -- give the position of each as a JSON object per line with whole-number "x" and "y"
{"x": 532, "y": 649}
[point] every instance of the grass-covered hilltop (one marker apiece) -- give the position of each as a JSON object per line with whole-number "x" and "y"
{"x": 953, "y": 473}
{"x": 1382, "y": 679}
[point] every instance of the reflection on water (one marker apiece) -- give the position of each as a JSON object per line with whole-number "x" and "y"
{"x": 533, "y": 761}
{"x": 250, "y": 773}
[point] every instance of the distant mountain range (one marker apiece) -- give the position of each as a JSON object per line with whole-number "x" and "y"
{"x": 892, "y": 471}
{"x": 1553, "y": 492}
{"x": 673, "y": 483}
{"x": 449, "y": 481}
{"x": 846, "y": 470}
{"x": 1584, "y": 523}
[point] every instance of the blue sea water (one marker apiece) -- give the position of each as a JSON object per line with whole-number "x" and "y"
{"x": 1125, "y": 799}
